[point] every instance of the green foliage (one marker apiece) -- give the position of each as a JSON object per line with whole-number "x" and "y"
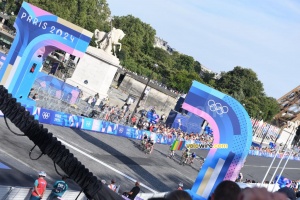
{"x": 208, "y": 78}
{"x": 91, "y": 14}
{"x": 243, "y": 85}
{"x": 139, "y": 38}
{"x": 197, "y": 67}
{"x": 184, "y": 62}
{"x": 240, "y": 79}
{"x": 10, "y": 22}
{"x": 138, "y": 54}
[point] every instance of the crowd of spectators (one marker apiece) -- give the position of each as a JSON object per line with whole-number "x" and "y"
{"x": 123, "y": 115}
{"x": 273, "y": 151}
{"x": 228, "y": 190}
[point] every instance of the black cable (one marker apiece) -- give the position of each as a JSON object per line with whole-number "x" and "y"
{"x": 79, "y": 194}
{"x": 57, "y": 171}
{"x": 82, "y": 190}
{"x": 31, "y": 152}
{"x": 17, "y": 114}
{"x": 10, "y": 129}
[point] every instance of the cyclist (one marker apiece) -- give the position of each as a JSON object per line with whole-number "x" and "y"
{"x": 149, "y": 146}
{"x": 185, "y": 156}
{"x": 171, "y": 152}
{"x": 144, "y": 141}
{"x": 192, "y": 158}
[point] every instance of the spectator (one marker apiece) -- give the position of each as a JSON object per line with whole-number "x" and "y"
{"x": 260, "y": 194}
{"x": 289, "y": 192}
{"x": 40, "y": 185}
{"x": 133, "y": 120}
{"x": 226, "y": 190}
{"x": 112, "y": 185}
{"x": 133, "y": 192}
{"x": 35, "y": 96}
{"x": 180, "y": 186}
{"x": 31, "y": 90}
{"x": 162, "y": 118}
{"x": 59, "y": 188}
{"x": 240, "y": 177}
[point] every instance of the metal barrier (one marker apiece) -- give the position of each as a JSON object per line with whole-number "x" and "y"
{"x": 21, "y": 193}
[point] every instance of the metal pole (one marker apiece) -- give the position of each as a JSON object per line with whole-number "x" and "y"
{"x": 265, "y": 135}
{"x": 273, "y": 161}
{"x": 137, "y": 104}
{"x": 270, "y": 166}
{"x": 140, "y": 98}
{"x": 287, "y": 160}
{"x": 278, "y": 165}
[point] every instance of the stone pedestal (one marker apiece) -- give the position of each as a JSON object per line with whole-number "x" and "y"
{"x": 97, "y": 68}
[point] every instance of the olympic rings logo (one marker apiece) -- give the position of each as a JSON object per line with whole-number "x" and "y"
{"x": 217, "y": 107}
{"x": 45, "y": 115}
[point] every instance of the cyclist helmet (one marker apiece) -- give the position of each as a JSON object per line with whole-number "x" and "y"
{"x": 180, "y": 184}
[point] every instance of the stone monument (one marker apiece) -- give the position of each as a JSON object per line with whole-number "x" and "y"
{"x": 95, "y": 71}
{"x": 109, "y": 41}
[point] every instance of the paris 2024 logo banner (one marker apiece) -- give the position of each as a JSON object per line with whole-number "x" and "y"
{"x": 38, "y": 33}
{"x": 232, "y": 129}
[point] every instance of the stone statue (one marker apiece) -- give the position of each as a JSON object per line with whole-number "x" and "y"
{"x": 109, "y": 41}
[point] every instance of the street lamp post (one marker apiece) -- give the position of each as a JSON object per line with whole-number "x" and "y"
{"x": 141, "y": 96}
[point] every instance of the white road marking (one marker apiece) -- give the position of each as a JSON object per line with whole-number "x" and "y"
{"x": 106, "y": 165}
{"x": 271, "y": 167}
{"x": 23, "y": 163}
{"x": 75, "y": 144}
{"x": 80, "y": 147}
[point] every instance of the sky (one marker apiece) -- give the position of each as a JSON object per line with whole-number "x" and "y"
{"x": 263, "y": 35}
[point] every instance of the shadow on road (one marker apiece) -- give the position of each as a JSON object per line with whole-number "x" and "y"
{"x": 176, "y": 157}
{"x": 136, "y": 167}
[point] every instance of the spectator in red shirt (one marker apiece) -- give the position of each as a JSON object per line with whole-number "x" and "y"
{"x": 133, "y": 120}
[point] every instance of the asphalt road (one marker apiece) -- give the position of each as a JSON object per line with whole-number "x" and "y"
{"x": 110, "y": 157}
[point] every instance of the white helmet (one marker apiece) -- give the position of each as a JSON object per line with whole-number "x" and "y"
{"x": 42, "y": 173}
{"x": 180, "y": 184}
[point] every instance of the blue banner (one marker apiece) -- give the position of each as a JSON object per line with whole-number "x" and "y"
{"x": 67, "y": 120}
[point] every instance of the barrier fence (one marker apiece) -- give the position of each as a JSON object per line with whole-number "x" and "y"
{"x": 271, "y": 155}
{"x": 47, "y": 116}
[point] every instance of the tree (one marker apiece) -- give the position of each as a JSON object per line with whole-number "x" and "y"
{"x": 139, "y": 37}
{"x": 184, "y": 62}
{"x": 197, "y": 67}
{"x": 90, "y": 15}
{"x": 240, "y": 79}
